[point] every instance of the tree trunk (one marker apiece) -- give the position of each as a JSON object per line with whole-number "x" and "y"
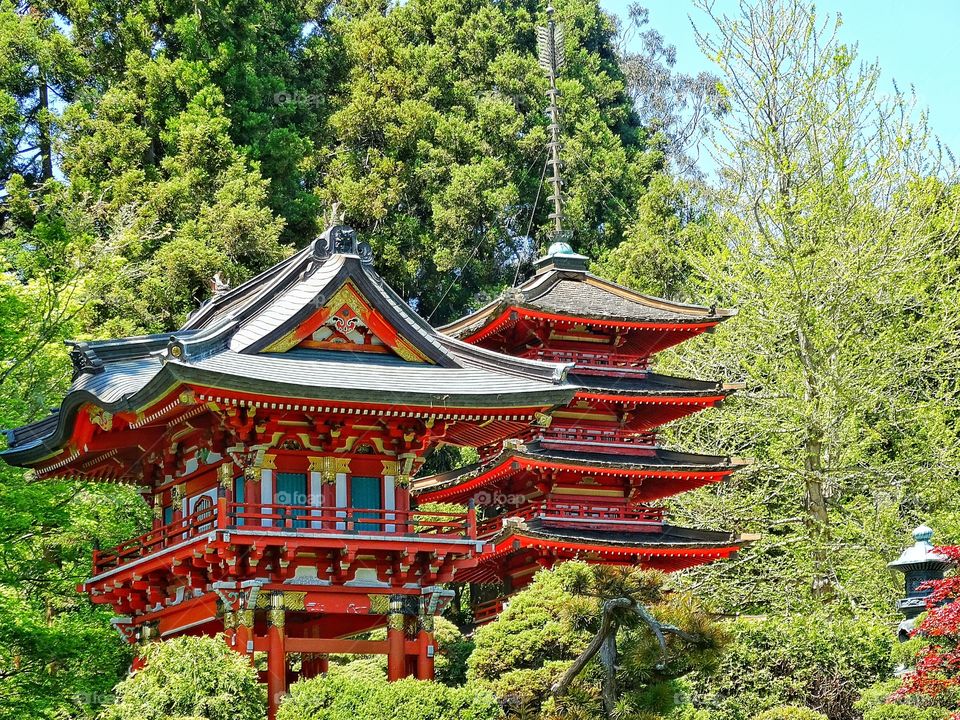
{"x": 608, "y": 658}
{"x": 43, "y": 128}
{"x": 818, "y": 520}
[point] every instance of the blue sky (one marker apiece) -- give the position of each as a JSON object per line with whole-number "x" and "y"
{"x": 917, "y": 43}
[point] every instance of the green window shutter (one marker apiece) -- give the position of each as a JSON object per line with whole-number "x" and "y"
{"x": 367, "y": 492}
{"x": 239, "y": 488}
{"x": 291, "y": 489}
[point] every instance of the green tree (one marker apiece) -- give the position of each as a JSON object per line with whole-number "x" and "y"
{"x": 437, "y": 142}
{"x": 812, "y": 660}
{"x": 197, "y": 677}
{"x": 347, "y": 697}
{"x": 40, "y": 71}
{"x": 537, "y": 655}
{"x": 834, "y": 232}
{"x": 48, "y": 529}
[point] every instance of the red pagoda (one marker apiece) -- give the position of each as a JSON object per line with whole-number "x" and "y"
{"x": 276, "y": 435}
{"x": 585, "y": 484}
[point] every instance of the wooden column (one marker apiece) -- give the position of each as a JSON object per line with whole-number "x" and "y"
{"x": 251, "y": 491}
{"x": 276, "y": 655}
{"x": 425, "y": 648}
{"x": 244, "y": 633}
{"x": 396, "y": 650}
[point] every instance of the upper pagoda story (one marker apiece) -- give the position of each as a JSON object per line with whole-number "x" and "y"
{"x": 318, "y": 335}
{"x": 566, "y": 313}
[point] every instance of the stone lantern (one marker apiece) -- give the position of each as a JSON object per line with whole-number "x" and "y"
{"x": 919, "y": 564}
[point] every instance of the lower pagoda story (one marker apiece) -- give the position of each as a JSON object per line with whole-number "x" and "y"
{"x": 278, "y": 437}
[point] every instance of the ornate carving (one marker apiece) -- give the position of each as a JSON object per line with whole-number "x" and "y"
{"x": 225, "y": 474}
{"x": 100, "y": 417}
{"x": 177, "y": 495}
{"x": 425, "y": 622}
{"x": 277, "y": 614}
{"x": 395, "y": 621}
{"x": 328, "y": 466}
{"x": 379, "y": 604}
{"x": 294, "y": 600}
{"x": 541, "y": 420}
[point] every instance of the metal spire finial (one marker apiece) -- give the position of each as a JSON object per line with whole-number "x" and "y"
{"x": 551, "y": 56}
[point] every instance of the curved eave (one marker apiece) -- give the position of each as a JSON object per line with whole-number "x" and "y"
{"x": 459, "y": 484}
{"x": 687, "y": 555}
{"x": 174, "y": 374}
{"x": 474, "y": 333}
{"x": 524, "y": 300}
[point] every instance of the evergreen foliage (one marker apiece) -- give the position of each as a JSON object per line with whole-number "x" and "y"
{"x": 197, "y": 677}
{"x": 815, "y": 660}
{"x": 345, "y": 696}
{"x": 523, "y": 654}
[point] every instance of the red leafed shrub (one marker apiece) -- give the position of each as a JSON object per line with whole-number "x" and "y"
{"x": 935, "y": 676}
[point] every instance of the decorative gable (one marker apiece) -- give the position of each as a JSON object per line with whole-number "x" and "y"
{"x": 348, "y": 322}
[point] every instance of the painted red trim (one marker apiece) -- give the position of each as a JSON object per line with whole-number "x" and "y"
{"x": 525, "y": 314}
{"x": 649, "y": 399}
{"x": 526, "y": 464}
{"x": 523, "y": 541}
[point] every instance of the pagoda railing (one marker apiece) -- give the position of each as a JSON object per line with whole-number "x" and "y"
{"x": 486, "y": 611}
{"x": 284, "y": 519}
{"x": 586, "y": 516}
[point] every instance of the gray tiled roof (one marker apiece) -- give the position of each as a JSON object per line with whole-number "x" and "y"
{"x": 223, "y": 341}
{"x": 669, "y": 536}
{"x": 662, "y": 459}
{"x": 578, "y": 293}
{"x": 649, "y": 384}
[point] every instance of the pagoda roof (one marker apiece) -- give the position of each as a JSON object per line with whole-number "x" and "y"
{"x": 661, "y": 460}
{"x": 580, "y": 295}
{"x": 250, "y": 340}
{"x": 649, "y": 384}
{"x": 668, "y": 536}
{"x": 671, "y": 548}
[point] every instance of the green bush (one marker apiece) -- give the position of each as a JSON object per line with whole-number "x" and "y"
{"x": 350, "y": 697}
{"x": 190, "y": 677}
{"x": 810, "y": 660}
{"x": 897, "y": 711}
{"x": 790, "y": 712}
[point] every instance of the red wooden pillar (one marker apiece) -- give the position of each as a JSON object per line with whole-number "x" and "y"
{"x": 244, "y": 633}
{"x": 425, "y": 648}
{"x": 396, "y": 650}
{"x": 251, "y": 492}
{"x": 276, "y": 655}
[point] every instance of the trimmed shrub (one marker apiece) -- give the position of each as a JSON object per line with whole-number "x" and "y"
{"x": 190, "y": 677}
{"x": 790, "y": 712}
{"x": 350, "y": 697}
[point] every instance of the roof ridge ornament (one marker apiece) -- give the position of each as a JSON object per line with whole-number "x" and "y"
{"x": 340, "y": 239}
{"x": 552, "y": 58}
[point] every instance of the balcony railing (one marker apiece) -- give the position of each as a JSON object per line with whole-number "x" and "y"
{"x": 283, "y": 519}
{"x": 585, "y": 516}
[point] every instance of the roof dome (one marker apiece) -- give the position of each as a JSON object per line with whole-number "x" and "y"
{"x": 560, "y": 248}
